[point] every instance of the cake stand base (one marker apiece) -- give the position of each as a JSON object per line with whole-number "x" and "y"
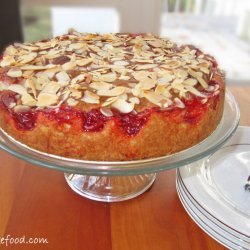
{"x": 110, "y": 188}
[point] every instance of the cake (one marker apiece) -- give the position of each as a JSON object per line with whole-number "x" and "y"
{"x": 110, "y": 97}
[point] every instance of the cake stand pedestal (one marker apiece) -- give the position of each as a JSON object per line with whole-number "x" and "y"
{"x": 118, "y": 181}
{"x": 110, "y": 188}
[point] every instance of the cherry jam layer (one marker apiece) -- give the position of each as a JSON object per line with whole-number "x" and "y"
{"x": 94, "y": 120}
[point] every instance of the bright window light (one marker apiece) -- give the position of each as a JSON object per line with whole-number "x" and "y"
{"x": 100, "y": 20}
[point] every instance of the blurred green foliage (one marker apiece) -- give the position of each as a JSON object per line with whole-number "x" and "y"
{"x": 36, "y": 22}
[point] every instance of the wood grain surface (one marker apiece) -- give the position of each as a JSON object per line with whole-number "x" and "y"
{"x": 36, "y": 202}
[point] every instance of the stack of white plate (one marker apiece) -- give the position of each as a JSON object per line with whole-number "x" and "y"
{"x": 216, "y": 194}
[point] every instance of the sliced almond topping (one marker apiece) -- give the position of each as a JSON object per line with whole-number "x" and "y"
{"x": 123, "y": 106}
{"x": 68, "y": 66}
{"x": 106, "y": 111}
{"x": 3, "y": 86}
{"x": 7, "y": 61}
{"x": 94, "y": 48}
{"x": 84, "y": 62}
{"x": 28, "y": 100}
{"x": 27, "y": 73}
{"x": 30, "y": 83}
{"x": 198, "y": 77}
{"x": 62, "y": 76}
{"x": 21, "y": 108}
{"x": 18, "y": 89}
{"x": 126, "y": 78}
{"x": 194, "y": 91}
{"x": 109, "y": 101}
{"x": 146, "y": 66}
{"x": 90, "y": 97}
{"x": 51, "y": 88}
{"x": 27, "y": 47}
{"x": 155, "y": 43}
{"x": 74, "y": 46}
{"x": 37, "y": 67}
{"x": 111, "y": 77}
{"x": 147, "y": 84}
{"x": 134, "y": 100}
{"x": 165, "y": 80}
{"x": 142, "y": 60}
{"x": 190, "y": 82}
{"x": 100, "y": 85}
{"x": 27, "y": 58}
{"x": 179, "y": 103}
{"x": 171, "y": 64}
{"x": 46, "y": 99}
{"x": 121, "y": 63}
{"x": 76, "y": 94}
{"x": 14, "y": 72}
{"x": 78, "y": 78}
{"x": 72, "y": 102}
{"x": 111, "y": 92}
{"x": 155, "y": 98}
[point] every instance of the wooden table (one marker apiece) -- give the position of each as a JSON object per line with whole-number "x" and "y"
{"x": 36, "y": 202}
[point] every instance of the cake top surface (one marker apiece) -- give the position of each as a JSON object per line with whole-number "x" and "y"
{"x": 127, "y": 72}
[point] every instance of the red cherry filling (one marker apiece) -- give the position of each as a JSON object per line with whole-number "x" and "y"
{"x": 194, "y": 111}
{"x": 94, "y": 121}
{"x": 132, "y": 123}
{"x": 25, "y": 120}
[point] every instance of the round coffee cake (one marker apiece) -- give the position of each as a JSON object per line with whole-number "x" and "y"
{"x": 110, "y": 97}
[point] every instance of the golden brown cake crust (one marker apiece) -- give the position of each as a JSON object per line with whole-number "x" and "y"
{"x": 161, "y": 123}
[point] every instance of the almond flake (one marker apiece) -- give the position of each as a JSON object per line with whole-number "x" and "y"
{"x": 62, "y": 76}
{"x": 147, "y": 84}
{"x": 75, "y": 46}
{"x": 179, "y": 103}
{"x": 194, "y": 91}
{"x": 142, "y": 60}
{"x": 111, "y": 77}
{"x": 68, "y": 66}
{"x": 121, "y": 63}
{"x": 100, "y": 85}
{"x": 76, "y": 94}
{"x": 90, "y": 97}
{"x": 134, "y": 100}
{"x": 123, "y": 106}
{"x": 18, "y": 89}
{"x": 51, "y": 88}
{"x": 37, "y": 67}
{"x": 190, "y": 82}
{"x": 21, "y": 108}
{"x": 109, "y": 101}
{"x": 78, "y": 78}
{"x": 72, "y": 102}
{"x": 46, "y": 99}
{"x": 3, "y": 86}
{"x": 155, "y": 43}
{"x": 7, "y": 61}
{"x": 106, "y": 111}
{"x": 84, "y": 62}
{"x": 198, "y": 77}
{"x": 27, "y": 58}
{"x": 28, "y": 100}
{"x": 125, "y": 78}
{"x": 154, "y": 98}
{"x": 26, "y": 47}
{"x": 14, "y": 72}
{"x": 30, "y": 83}
{"x": 146, "y": 66}
{"x": 111, "y": 92}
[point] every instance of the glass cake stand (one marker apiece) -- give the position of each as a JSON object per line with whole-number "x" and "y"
{"x": 117, "y": 181}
